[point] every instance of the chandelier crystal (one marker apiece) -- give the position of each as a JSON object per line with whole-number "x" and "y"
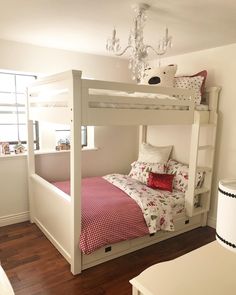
{"x": 138, "y": 59}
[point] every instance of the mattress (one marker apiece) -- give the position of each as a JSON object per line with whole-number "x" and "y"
{"x": 201, "y": 107}
{"x": 151, "y": 96}
{"x": 109, "y": 215}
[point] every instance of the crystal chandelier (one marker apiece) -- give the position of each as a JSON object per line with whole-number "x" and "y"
{"x": 138, "y": 50}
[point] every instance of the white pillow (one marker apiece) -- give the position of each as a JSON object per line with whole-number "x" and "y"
{"x": 154, "y": 154}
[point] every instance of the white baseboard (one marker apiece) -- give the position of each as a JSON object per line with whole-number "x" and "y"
{"x": 211, "y": 221}
{"x": 51, "y": 238}
{"x": 14, "y": 218}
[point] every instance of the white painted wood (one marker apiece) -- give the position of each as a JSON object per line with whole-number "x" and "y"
{"x": 205, "y": 192}
{"x": 5, "y": 285}
{"x": 111, "y": 117}
{"x": 189, "y": 199}
{"x": 14, "y": 218}
{"x": 59, "y": 115}
{"x": 53, "y": 213}
{"x": 213, "y": 94}
{"x": 50, "y": 100}
{"x": 65, "y": 98}
{"x": 201, "y": 190}
{"x": 126, "y": 247}
{"x": 135, "y": 291}
{"x": 206, "y": 147}
{"x": 75, "y": 172}
{"x": 144, "y": 134}
{"x": 30, "y": 160}
{"x": 212, "y": 267}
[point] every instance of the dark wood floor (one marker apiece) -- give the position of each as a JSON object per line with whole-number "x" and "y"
{"x": 34, "y": 266}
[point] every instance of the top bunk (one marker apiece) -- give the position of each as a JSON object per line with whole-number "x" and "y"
{"x": 63, "y": 97}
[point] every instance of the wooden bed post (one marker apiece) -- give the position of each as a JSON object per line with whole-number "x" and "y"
{"x": 75, "y": 170}
{"x": 193, "y": 160}
{"x": 205, "y": 191}
{"x": 30, "y": 161}
{"x": 143, "y": 136}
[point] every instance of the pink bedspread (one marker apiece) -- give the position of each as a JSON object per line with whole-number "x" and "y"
{"x": 108, "y": 214}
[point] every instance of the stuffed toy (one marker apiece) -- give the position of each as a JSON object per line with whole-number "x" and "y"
{"x": 161, "y": 76}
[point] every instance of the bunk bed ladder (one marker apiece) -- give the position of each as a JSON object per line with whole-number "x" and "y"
{"x": 203, "y": 193}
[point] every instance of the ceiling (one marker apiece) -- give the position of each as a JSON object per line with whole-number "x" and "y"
{"x": 84, "y": 25}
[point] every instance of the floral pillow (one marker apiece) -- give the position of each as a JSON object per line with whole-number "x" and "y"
{"x": 181, "y": 172}
{"x": 140, "y": 170}
{"x": 195, "y": 82}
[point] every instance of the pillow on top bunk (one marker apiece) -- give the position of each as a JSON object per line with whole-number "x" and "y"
{"x": 154, "y": 154}
{"x": 181, "y": 172}
{"x": 161, "y": 76}
{"x": 160, "y": 181}
{"x": 140, "y": 170}
{"x": 195, "y": 82}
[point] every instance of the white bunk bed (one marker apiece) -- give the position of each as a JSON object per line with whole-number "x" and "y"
{"x": 66, "y": 98}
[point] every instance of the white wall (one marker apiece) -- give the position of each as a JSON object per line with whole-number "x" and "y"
{"x": 13, "y": 193}
{"x": 109, "y": 157}
{"x": 116, "y": 149}
{"x": 40, "y": 60}
{"x": 221, "y": 66}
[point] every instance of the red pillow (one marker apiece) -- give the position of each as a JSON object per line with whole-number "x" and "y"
{"x": 160, "y": 181}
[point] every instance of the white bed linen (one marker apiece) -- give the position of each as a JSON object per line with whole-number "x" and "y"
{"x": 124, "y": 105}
{"x": 201, "y": 107}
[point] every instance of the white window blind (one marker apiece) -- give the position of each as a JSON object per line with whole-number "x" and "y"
{"x": 13, "y": 108}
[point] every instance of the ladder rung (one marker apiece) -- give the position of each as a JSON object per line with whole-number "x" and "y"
{"x": 205, "y": 147}
{"x": 208, "y": 125}
{"x": 204, "y": 169}
{"x": 201, "y": 190}
{"x": 199, "y": 210}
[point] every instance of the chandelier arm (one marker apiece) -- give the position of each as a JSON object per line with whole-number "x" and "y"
{"x": 124, "y": 51}
{"x": 157, "y": 53}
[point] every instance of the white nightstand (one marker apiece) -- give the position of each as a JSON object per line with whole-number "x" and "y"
{"x": 209, "y": 270}
{"x": 5, "y": 285}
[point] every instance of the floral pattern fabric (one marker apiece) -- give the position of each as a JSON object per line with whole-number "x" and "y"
{"x": 140, "y": 170}
{"x": 157, "y": 206}
{"x": 181, "y": 172}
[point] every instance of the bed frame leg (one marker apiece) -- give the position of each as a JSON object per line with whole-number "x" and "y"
{"x": 204, "y": 219}
{"x": 76, "y": 263}
{"x": 135, "y": 291}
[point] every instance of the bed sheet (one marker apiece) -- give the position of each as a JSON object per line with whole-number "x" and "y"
{"x": 201, "y": 107}
{"x": 152, "y": 96}
{"x": 109, "y": 215}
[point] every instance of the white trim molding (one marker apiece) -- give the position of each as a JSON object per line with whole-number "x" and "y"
{"x": 211, "y": 221}
{"x": 14, "y": 218}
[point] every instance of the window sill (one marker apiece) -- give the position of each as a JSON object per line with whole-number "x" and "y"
{"x": 12, "y": 156}
{"x": 44, "y": 152}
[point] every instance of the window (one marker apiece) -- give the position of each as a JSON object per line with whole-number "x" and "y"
{"x": 63, "y": 135}
{"x": 13, "y": 109}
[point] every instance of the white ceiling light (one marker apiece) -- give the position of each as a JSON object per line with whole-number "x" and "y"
{"x": 138, "y": 50}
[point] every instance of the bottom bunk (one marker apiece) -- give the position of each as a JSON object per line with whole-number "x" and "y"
{"x": 112, "y": 222}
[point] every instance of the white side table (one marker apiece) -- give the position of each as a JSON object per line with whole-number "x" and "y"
{"x": 209, "y": 270}
{"x": 226, "y": 214}
{"x": 5, "y": 285}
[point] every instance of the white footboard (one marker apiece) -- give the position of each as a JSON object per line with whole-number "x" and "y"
{"x": 52, "y": 214}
